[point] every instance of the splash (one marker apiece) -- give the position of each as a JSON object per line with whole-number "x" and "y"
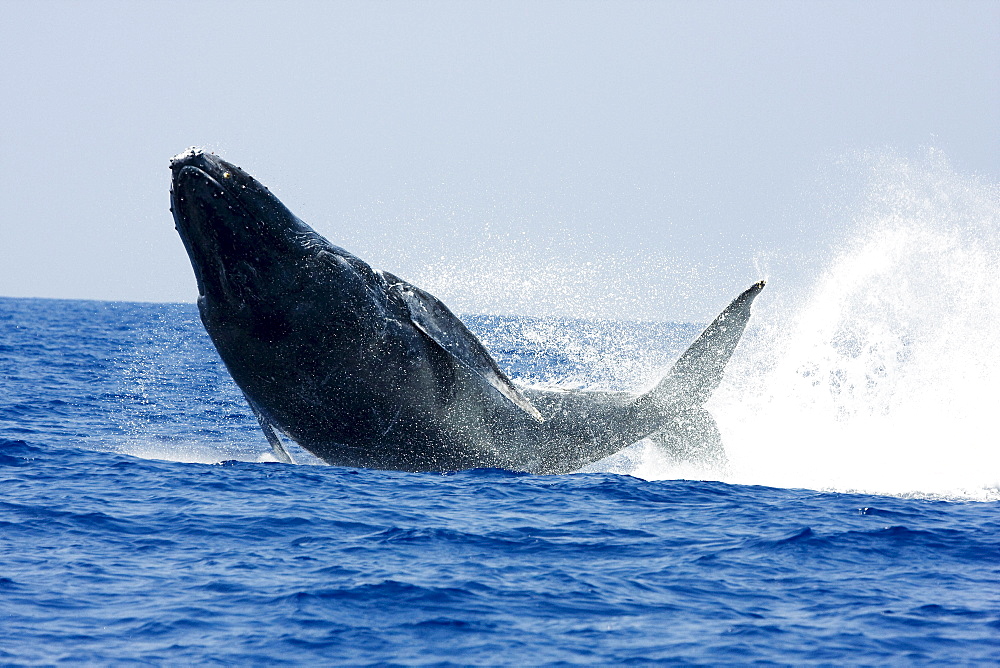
{"x": 883, "y": 376}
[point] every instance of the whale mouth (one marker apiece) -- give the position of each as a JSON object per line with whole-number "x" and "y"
{"x": 213, "y": 220}
{"x": 199, "y": 201}
{"x": 200, "y": 204}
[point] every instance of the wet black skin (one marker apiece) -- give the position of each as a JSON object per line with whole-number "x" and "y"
{"x": 335, "y": 354}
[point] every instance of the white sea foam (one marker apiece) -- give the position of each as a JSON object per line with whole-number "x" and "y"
{"x": 188, "y": 451}
{"x": 883, "y": 376}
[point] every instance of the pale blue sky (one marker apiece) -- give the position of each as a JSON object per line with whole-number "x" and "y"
{"x": 509, "y": 156}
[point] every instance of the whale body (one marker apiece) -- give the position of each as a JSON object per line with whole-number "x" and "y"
{"x": 363, "y": 369}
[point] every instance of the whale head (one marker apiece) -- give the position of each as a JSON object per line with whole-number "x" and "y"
{"x": 238, "y": 235}
{"x": 256, "y": 263}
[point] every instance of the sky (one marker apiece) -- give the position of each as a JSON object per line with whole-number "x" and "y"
{"x": 589, "y": 159}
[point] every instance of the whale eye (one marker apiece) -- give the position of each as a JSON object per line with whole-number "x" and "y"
{"x": 226, "y": 175}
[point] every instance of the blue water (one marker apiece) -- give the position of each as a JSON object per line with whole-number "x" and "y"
{"x": 140, "y": 521}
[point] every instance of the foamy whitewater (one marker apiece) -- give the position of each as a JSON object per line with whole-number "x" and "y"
{"x": 143, "y": 519}
{"x": 884, "y": 376}
{"x": 881, "y": 376}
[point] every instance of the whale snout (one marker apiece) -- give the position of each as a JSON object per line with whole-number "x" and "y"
{"x": 185, "y": 156}
{"x": 209, "y": 163}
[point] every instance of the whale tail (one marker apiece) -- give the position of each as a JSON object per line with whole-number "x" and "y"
{"x": 697, "y": 373}
{"x": 585, "y": 425}
{"x": 689, "y": 432}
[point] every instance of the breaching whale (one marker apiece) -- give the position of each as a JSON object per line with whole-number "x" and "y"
{"x": 363, "y": 369}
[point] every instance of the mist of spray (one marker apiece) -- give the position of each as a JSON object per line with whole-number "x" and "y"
{"x": 883, "y": 376}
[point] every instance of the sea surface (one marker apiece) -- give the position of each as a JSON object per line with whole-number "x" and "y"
{"x": 143, "y": 520}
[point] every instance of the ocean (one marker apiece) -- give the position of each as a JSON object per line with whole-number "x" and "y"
{"x": 143, "y": 520}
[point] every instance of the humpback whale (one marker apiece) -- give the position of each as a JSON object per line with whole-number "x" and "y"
{"x": 363, "y": 369}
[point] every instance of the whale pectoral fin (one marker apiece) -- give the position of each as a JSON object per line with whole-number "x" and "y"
{"x": 441, "y": 326}
{"x": 272, "y": 438}
{"x": 277, "y": 448}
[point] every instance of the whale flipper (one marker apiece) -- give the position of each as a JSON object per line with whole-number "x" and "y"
{"x": 280, "y": 453}
{"x": 441, "y": 326}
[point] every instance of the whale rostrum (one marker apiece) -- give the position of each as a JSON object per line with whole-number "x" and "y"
{"x": 364, "y": 369}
